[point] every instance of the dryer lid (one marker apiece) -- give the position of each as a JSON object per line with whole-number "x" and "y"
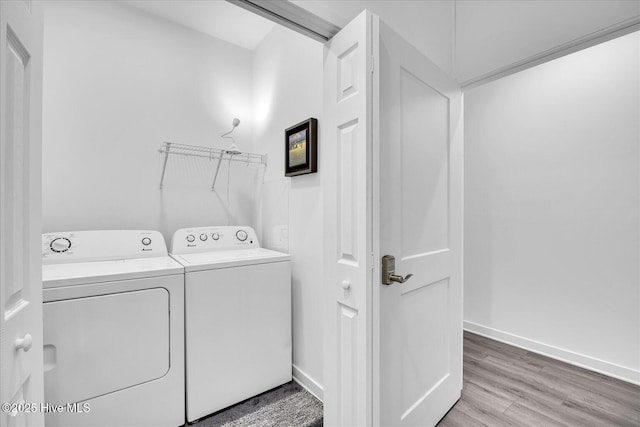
{"x": 55, "y": 275}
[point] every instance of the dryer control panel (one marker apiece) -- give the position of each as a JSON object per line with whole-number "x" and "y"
{"x": 101, "y": 245}
{"x": 209, "y": 239}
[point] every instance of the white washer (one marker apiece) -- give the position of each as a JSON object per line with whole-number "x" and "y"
{"x": 113, "y": 329}
{"x": 238, "y": 316}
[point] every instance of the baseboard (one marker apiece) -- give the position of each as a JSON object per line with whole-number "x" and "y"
{"x": 307, "y": 382}
{"x": 577, "y": 359}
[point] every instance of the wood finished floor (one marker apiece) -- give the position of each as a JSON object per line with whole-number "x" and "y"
{"x": 509, "y": 386}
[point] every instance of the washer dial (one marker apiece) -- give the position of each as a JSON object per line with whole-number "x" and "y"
{"x": 191, "y": 238}
{"x": 241, "y": 235}
{"x": 146, "y": 241}
{"x": 215, "y": 236}
{"x": 203, "y": 237}
{"x": 60, "y": 244}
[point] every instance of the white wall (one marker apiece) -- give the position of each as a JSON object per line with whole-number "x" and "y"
{"x": 287, "y": 90}
{"x": 119, "y": 82}
{"x": 552, "y": 208}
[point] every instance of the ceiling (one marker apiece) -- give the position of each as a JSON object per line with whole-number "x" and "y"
{"x": 217, "y": 18}
{"x": 468, "y": 39}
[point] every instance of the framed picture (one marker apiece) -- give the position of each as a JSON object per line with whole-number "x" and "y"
{"x": 301, "y": 148}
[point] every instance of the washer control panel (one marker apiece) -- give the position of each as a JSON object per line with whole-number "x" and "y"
{"x": 207, "y": 239}
{"x": 101, "y": 245}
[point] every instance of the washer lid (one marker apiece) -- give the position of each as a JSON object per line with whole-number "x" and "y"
{"x": 81, "y": 273}
{"x": 229, "y": 258}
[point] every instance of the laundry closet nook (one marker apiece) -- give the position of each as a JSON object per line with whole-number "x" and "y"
{"x": 125, "y": 83}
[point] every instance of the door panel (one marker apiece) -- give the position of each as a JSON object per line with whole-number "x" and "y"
{"x": 425, "y": 325}
{"x": 424, "y": 167}
{"x": 420, "y": 209}
{"x": 346, "y": 175}
{"x": 347, "y": 187}
{"x": 347, "y": 398}
{"x": 14, "y": 185}
{"x": 20, "y": 209}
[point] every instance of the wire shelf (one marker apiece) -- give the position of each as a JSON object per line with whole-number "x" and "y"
{"x": 172, "y": 148}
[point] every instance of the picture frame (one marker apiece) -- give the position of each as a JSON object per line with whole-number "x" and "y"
{"x": 301, "y": 148}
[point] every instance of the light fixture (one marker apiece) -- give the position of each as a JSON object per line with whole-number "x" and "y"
{"x": 233, "y": 148}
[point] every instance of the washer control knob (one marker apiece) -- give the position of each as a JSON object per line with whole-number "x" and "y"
{"x": 203, "y": 237}
{"x": 241, "y": 235}
{"x": 191, "y": 238}
{"x": 60, "y": 244}
{"x": 215, "y": 236}
{"x": 146, "y": 241}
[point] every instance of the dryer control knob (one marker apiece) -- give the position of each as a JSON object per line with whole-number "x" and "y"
{"x": 146, "y": 241}
{"x": 60, "y": 244}
{"x": 203, "y": 237}
{"x": 191, "y": 238}
{"x": 241, "y": 235}
{"x": 215, "y": 236}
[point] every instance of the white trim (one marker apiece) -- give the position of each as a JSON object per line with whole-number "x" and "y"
{"x": 307, "y": 382}
{"x": 601, "y": 366}
{"x": 601, "y": 36}
{"x": 291, "y": 16}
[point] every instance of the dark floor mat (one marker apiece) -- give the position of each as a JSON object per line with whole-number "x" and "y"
{"x": 286, "y": 406}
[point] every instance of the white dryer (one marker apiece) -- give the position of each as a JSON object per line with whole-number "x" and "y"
{"x": 238, "y": 316}
{"x": 113, "y": 330}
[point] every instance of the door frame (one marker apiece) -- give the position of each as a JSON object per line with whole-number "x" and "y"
{"x": 375, "y": 224}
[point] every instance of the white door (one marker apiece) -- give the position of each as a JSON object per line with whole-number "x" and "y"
{"x": 20, "y": 212}
{"x": 346, "y": 161}
{"x": 392, "y": 173}
{"x": 418, "y": 334}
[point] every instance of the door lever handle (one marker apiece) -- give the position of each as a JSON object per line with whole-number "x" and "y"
{"x": 389, "y": 270}
{"x": 399, "y": 279}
